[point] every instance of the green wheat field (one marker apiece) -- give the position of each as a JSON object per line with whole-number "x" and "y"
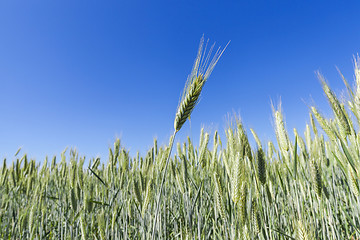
{"x": 301, "y": 188}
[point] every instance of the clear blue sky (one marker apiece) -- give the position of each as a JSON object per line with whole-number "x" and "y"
{"x": 81, "y": 73}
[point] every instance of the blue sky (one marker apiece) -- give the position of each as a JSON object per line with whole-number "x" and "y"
{"x": 81, "y": 73}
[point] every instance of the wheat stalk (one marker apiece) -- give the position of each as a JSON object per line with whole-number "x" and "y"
{"x": 199, "y": 75}
{"x": 83, "y": 226}
{"x": 257, "y": 140}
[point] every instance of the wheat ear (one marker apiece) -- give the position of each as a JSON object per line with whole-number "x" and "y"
{"x": 336, "y": 106}
{"x": 195, "y": 82}
{"x": 316, "y": 176}
{"x": 255, "y": 218}
{"x": 301, "y": 233}
{"x": 219, "y": 199}
{"x": 261, "y": 166}
{"x": 324, "y": 124}
{"x": 243, "y": 200}
{"x": 236, "y": 178}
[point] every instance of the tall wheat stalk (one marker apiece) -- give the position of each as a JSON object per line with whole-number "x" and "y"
{"x": 200, "y": 73}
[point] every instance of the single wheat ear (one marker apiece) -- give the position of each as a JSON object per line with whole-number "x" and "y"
{"x": 336, "y": 106}
{"x": 187, "y": 105}
{"x": 316, "y": 176}
{"x": 199, "y": 75}
{"x": 301, "y": 233}
{"x": 261, "y": 166}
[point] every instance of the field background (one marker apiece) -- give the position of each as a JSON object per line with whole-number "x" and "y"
{"x": 102, "y": 81}
{"x": 305, "y": 189}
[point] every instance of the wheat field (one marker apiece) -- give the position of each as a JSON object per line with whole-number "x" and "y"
{"x": 301, "y": 188}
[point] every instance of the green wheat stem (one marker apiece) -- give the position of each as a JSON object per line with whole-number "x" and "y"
{"x": 162, "y": 183}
